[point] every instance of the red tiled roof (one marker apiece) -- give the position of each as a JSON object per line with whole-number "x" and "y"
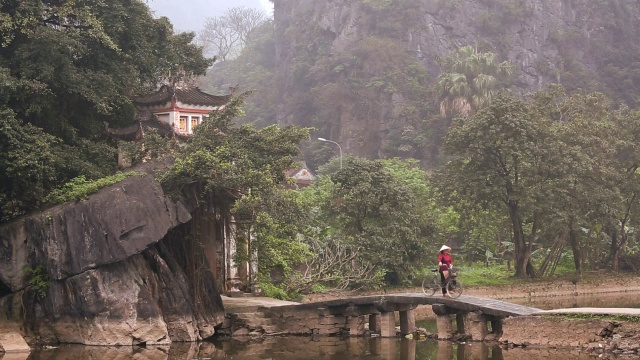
{"x": 192, "y": 96}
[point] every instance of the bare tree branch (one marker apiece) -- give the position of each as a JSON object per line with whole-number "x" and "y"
{"x": 225, "y": 36}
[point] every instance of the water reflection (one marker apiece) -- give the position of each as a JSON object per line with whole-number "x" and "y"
{"x": 335, "y": 348}
{"x": 299, "y": 348}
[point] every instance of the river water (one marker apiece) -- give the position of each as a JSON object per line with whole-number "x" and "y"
{"x": 335, "y": 348}
{"x": 308, "y": 348}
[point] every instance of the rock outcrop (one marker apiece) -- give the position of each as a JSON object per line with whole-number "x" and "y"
{"x": 113, "y": 278}
{"x": 592, "y": 45}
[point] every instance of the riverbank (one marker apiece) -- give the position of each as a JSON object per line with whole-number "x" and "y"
{"x": 591, "y": 283}
{"x": 593, "y": 334}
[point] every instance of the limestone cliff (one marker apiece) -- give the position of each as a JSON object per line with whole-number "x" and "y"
{"x": 587, "y": 44}
{"x": 114, "y": 277}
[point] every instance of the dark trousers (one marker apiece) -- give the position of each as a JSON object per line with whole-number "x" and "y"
{"x": 444, "y": 282}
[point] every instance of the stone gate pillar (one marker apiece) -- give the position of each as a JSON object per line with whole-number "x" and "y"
{"x": 407, "y": 322}
{"x": 388, "y": 324}
{"x": 475, "y": 325}
{"x": 445, "y": 327}
{"x": 355, "y": 325}
{"x": 443, "y": 321}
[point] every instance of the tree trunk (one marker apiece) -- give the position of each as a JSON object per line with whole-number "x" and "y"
{"x": 619, "y": 249}
{"x": 521, "y": 252}
{"x": 575, "y": 246}
{"x": 614, "y": 248}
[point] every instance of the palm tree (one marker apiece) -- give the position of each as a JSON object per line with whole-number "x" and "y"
{"x": 468, "y": 80}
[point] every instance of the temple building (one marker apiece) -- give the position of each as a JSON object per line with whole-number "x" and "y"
{"x": 181, "y": 107}
{"x": 173, "y": 111}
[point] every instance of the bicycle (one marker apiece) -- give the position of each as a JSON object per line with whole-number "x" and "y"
{"x": 433, "y": 283}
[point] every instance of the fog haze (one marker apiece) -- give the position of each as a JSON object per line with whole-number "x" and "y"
{"x": 189, "y": 15}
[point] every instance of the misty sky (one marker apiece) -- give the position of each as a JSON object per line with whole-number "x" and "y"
{"x": 189, "y": 15}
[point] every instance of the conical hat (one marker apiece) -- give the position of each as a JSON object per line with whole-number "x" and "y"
{"x": 445, "y": 247}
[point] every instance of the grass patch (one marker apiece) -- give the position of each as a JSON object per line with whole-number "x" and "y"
{"x": 480, "y": 274}
{"x": 80, "y": 188}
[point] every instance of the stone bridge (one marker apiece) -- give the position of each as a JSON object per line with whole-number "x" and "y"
{"x": 475, "y": 316}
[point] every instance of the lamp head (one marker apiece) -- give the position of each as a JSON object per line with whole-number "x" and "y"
{"x": 322, "y": 139}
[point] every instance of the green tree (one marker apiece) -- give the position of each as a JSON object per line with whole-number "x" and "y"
{"x": 28, "y": 164}
{"x": 379, "y": 215}
{"x": 68, "y": 66}
{"x": 502, "y": 158}
{"x": 228, "y": 160}
{"x": 624, "y": 183}
{"x": 468, "y": 80}
{"x": 584, "y": 127}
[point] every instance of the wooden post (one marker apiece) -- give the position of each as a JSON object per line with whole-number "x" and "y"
{"x": 374, "y": 323}
{"x": 407, "y": 322}
{"x": 445, "y": 327}
{"x": 388, "y": 324}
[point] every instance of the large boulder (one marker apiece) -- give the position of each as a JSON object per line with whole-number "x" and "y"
{"x": 119, "y": 221}
{"x": 112, "y": 280}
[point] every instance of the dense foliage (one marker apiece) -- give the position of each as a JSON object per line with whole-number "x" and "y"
{"x": 560, "y": 167}
{"x": 356, "y": 226}
{"x": 65, "y": 68}
{"x": 537, "y": 180}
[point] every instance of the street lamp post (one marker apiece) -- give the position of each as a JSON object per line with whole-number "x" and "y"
{"x": 339, "y": 148}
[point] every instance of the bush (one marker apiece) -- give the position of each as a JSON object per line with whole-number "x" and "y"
{"x": 38, "y": 280}
{"x": 272, "y": 291}
{"x": 80, "y": 188}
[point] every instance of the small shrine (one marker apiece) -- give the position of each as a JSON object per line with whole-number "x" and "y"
{"x": 302, "y": 176}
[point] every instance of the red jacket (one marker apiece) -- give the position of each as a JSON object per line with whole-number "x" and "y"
{"x": 446, "y": 260}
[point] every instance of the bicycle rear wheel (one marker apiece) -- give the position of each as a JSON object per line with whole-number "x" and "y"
{"x": 429, "y": 285}
{"x": 454, "y": 288}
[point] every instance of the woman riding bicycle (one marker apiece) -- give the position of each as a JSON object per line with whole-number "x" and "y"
{"x": 445, "y": 262}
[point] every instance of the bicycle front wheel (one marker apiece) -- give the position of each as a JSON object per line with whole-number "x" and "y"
{"x": 428, "y": 286}
{"x": 454, "y": 288}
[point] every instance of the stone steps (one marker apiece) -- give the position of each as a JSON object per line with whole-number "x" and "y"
{"x": 248, "y": 324}
{"x": 253, "y": 320}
